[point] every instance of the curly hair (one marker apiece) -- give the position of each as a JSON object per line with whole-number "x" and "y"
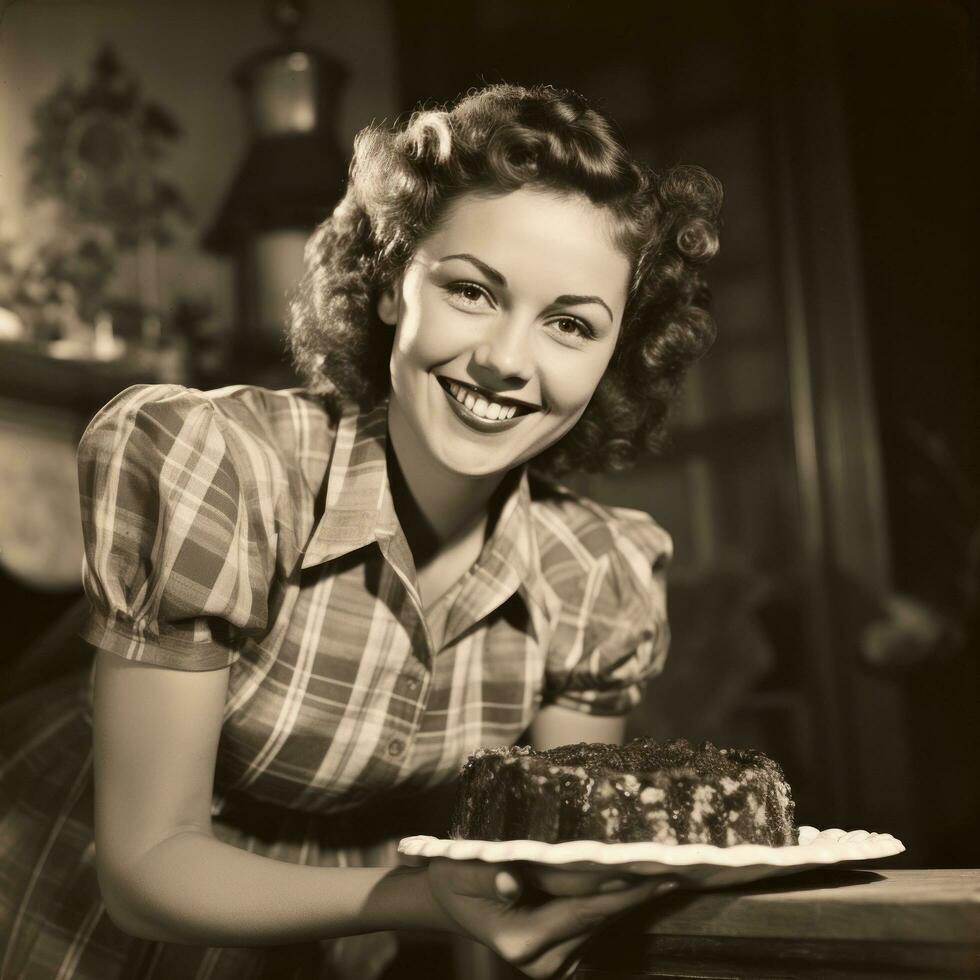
{"x": 495, "y": 140}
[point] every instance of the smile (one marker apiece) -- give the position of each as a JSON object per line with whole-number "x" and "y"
{"x": 480, "y": 410}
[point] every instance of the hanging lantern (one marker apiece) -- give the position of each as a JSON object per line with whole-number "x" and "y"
{"x": 292, "y": 176}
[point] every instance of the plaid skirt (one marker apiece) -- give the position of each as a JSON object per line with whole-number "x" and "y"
{"x": 53, "y": 922}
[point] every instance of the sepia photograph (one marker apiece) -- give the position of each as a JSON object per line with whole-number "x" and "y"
{"x": 489, "y": 489}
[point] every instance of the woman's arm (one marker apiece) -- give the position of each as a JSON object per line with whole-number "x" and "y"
{"x": 164, "y": 876}
{"x": 554, "y": 725}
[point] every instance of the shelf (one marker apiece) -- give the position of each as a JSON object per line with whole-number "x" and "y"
{"x": 27, "y": 374}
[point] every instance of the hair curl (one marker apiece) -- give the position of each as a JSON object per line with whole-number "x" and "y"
{"x": 496, "y": 140}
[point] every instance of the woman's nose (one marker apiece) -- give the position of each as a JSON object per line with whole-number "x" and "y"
{"x": 505, "y": 350}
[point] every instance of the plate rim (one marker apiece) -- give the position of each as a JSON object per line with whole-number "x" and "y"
{"x": 830, "y": 846}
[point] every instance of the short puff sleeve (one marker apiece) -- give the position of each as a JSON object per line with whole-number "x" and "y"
{"x": 179, "y": 548}
{"x": 613, "y": 634}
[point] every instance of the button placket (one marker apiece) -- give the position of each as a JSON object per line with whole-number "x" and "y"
{"x": 416, "y": 689}
{"x": 397, "y": 745}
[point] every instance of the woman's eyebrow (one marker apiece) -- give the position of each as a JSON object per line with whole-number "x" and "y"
{"x": 576, "y": 300}
{"x": 488, "y": 270}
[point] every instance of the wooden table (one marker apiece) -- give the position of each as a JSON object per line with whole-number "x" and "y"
{"x": 886, "y": 925}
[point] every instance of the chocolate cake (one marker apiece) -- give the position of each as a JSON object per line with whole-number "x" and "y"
{"x": 667, "y": 792}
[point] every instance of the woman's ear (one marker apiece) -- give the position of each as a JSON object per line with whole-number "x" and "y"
{"x": 388, "y": 306}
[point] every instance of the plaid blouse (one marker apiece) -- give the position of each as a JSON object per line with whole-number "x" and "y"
{"x": 242, "y": 528}
{"x": 250, "y": 529}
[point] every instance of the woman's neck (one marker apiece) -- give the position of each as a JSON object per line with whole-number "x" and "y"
{"x": 435, "y": 507}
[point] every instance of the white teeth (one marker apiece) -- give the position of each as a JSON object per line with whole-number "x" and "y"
{"x": 479, "y": 405}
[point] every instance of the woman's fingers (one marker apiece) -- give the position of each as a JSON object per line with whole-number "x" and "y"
{"x": 508, "y": 886}
{"x": 567, "y": 919}
{"x": 520, "y": 948}
{"x": 555, "y": 963}
{"x": 478, "y": 879}
{"x": 541, "y": 938}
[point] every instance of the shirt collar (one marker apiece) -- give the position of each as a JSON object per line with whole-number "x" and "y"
{"x": 510, "y": 563}
{"x": 359, "y": 510}
{"x": 356, "y": 486}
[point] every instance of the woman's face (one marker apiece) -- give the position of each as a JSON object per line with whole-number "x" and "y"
{"x": 505, "y": 320}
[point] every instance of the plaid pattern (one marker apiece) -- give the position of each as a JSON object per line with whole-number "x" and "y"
{"x": 246, "y": 528}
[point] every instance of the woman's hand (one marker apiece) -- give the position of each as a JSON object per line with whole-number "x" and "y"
{"x": 541, "y": 940}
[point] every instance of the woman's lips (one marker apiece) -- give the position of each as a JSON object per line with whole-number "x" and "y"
{"x": 523, "y": 407}
{"x": 473, "y": 421}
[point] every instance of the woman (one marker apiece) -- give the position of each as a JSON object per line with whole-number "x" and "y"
{"x": 310, "y": 606}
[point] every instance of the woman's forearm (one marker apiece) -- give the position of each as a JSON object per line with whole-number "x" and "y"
{"x": 192, "y": 888}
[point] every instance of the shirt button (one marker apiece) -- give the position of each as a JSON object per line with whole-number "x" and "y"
{"x": 396, "y": 746}
{"x": 412, "y": 684}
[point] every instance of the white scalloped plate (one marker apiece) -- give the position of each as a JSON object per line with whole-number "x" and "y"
{"x": 582, "y": 865}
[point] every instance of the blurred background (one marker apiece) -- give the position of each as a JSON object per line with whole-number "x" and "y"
{"x": 162, "y": 162}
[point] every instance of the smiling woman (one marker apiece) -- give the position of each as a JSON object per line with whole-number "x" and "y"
{"x": 493, "y": 315}
{"x": 311, "y": 606}
{"x": 550, "y": 146}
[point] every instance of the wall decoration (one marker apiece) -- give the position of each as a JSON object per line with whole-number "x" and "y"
{"x": 97, "y": 182}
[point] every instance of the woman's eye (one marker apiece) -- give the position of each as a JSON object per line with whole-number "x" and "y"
{"x": 574, "y": 328}
{"x": 468, "y": 293}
